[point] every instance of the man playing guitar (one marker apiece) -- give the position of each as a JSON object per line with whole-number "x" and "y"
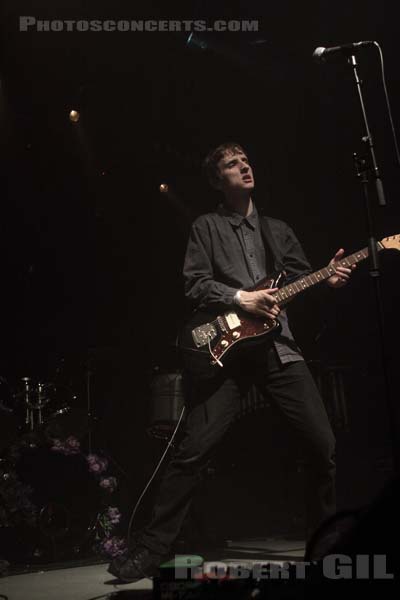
{"x": 229, "y": 250}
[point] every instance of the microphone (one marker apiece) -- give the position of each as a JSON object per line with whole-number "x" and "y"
{"x": 321, "y": 54}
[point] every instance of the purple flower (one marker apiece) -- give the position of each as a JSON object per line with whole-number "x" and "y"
{"x": 96, "y": 463}
{"x": 72, "y": 445}
{"x": 108, "y": 483}
{"x": 112, "y": 546}
{"x": 113, "y": 514}
{"x": 69, "y": 447}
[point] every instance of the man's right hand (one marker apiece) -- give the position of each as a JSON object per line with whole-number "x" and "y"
{"x": 260, "y": 302}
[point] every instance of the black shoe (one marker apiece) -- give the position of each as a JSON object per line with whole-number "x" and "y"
{"x": 137, "y": 564}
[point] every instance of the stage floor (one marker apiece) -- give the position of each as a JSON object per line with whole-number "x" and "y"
{"x": 92, "y": 582}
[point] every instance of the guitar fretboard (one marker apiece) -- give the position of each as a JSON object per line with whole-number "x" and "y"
{"x": 285, "y": 294}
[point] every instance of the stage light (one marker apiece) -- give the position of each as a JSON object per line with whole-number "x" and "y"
{"x": 210, "y": 42}
{"x": 197, "y": 41}
{"x": 74, "y": 116}
{"x": 164, "y": 188}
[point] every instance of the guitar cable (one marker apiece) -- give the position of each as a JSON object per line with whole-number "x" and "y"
{"x": 389, "y": 109}
{"x": 170, "y": 442}
{"x": 219, "y": 363}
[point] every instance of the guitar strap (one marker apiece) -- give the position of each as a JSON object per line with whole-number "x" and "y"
{"x": 271, "y": 247}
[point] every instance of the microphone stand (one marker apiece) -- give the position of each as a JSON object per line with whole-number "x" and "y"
{"x": 89, "y": 404}
{"x": 362, "y": 167}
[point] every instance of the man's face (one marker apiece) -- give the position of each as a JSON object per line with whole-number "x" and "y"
{"x": 235, "y": 173}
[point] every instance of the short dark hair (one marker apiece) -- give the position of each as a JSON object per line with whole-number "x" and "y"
{"x": 210, "y": 163}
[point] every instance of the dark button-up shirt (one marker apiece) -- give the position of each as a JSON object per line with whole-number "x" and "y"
{"x": 226, "y": 253}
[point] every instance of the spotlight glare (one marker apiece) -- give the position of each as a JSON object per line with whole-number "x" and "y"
{"x": 74, "y": 116}
{"x": 164, "y": 188}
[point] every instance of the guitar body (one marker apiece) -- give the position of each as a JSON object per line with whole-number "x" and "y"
{"x": 210, "y": 340}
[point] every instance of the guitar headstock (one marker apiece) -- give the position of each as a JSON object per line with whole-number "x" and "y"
{"x": 391, "y": 243}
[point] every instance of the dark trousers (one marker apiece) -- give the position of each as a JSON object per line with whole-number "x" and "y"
{"x": 211, "y": 408}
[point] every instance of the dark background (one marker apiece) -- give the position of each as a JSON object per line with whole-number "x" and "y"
{"x": 92, "y": 252}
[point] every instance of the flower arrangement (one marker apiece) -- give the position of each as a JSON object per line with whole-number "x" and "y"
{"x": 106, "y": 544}
{"x": 16, "y": 506}
{"x": 109, "y": 545}
{"x": 69, "y": 447}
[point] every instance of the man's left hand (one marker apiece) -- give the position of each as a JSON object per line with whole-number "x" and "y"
{"x": 342, "y": 274}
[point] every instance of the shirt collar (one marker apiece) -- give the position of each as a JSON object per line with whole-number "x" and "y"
{"x": 237, "y": 219}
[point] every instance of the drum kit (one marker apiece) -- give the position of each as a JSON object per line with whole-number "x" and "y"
{"x": 33, "y": 416}
{"x": 40, "y": 410}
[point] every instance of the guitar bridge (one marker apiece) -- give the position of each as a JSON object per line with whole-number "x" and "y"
{"x": 203, "y": 334}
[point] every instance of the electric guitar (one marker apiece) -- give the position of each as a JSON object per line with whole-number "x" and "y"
{"x": 209, "y": 340}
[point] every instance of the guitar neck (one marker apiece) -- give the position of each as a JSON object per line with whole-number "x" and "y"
{"x": 288, "y": 292}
